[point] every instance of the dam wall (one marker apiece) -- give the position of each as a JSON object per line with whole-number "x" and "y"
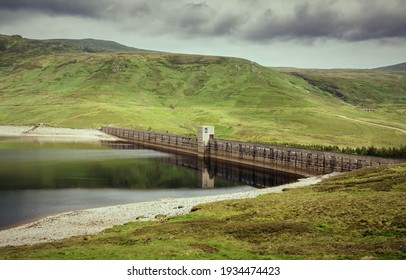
{"x": 301, "y": 161}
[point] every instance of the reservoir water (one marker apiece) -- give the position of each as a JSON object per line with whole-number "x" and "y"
{"x": 39, "y": 179}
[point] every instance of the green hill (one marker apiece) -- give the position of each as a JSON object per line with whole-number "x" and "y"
{"x": 366, "y": 89}
{"x": 396, "y": 67}
{"x": 71, "y": 87}
{"x": 16, "y": 47}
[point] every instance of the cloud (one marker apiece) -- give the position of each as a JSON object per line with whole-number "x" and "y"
{"x": 57, "y": 7}
{"x": 323, "y": 19}
{"x": 253, "y": 21}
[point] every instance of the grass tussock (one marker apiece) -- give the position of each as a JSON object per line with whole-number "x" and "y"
{"x": 358, "y": 215}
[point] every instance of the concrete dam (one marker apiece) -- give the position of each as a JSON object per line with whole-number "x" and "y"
{"x": 301, "y": 161}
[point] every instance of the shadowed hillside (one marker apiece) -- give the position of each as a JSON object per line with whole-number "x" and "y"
{"x": 367, "y": 89}
{"x": 17, "y": 47}
{"x": 396, "y": 67}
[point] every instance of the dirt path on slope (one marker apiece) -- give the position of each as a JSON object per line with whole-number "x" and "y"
{"x": 376, "y": 124}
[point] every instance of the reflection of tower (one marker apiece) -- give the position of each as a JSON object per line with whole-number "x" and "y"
{"x": 204, "y": 179}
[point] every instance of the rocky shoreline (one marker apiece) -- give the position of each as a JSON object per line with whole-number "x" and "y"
{"x": 92, "y": 221}
{"x": 47, "y": 133}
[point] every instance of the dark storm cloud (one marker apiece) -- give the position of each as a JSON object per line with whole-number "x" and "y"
{"x": 379, "y": 25}
{"x": 306, "y": 22}
{"x": 202, "y": 19}
{"x": 193, "y": 17}
{"x": 71, "y": 7}
{"x": 310, "y": 21}
{"x": 257, "y": 21}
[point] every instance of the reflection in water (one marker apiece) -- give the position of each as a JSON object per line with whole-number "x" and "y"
{"x": 42, "y": 179}
{"x": 204, "y": 180}
{"x": 209, "y": 169}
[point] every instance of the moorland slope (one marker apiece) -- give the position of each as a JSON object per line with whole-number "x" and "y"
{"x": 68, "y": 86}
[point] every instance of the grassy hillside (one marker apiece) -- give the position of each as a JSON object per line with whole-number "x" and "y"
{"x": 176, "y": 93}
{"x": 396, "y": 67}
{"x": 358, "y": 215}
{"x": 369, "y": 90}
{"x": 15, "y": 47}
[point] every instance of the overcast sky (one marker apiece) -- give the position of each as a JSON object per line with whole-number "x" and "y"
{"x": 297, "y": 33}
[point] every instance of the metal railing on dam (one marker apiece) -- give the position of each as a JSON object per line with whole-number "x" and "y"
{"x": 181, "y": 143}
{"x": 301, "y": 161}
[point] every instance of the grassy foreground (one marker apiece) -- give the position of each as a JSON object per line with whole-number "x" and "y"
{"x": 358, "y": 215}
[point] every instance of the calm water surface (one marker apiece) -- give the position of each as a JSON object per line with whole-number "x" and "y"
{"x": 39, "y": 179}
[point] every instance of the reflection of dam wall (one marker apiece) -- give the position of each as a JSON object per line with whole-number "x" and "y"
{"x": 301, "y": 161}
{"x": 246, "y": 174}
{"x": 251, "y": 175}
{"x": 208, "y": 168}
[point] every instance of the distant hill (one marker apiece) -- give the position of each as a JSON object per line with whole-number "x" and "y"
{"x": 396, "y": 67}
{"x": 92, "y": 45}
{"x": 18, "y": 47}
{"x": 89, "y": 83}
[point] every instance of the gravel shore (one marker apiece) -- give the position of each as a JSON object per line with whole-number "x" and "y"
{"x": 46, "y": 133}
{"x": 91, "y": 221}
